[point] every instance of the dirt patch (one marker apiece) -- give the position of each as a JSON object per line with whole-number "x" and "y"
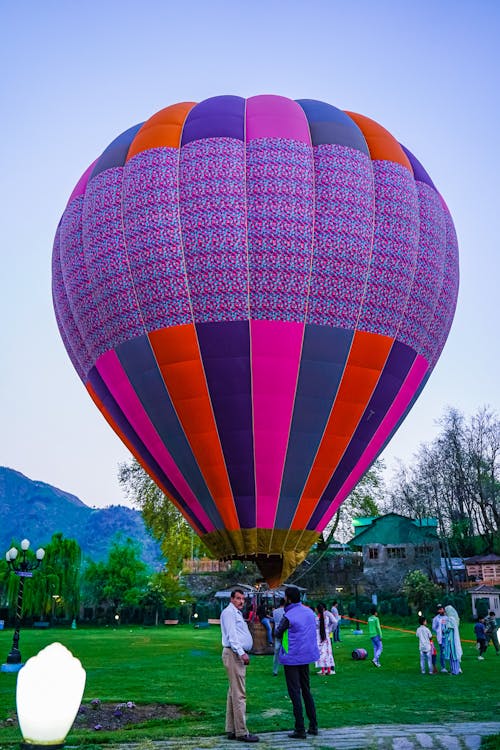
{"x": 108, "y": 716}
{"x": 100, "y": 716}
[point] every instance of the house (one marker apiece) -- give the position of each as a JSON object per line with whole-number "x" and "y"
{"x": 205, "y": 565}
{"x": 392, "y": 545}
{"x": 488, "y": 596}
{"x": 485, "y": 568}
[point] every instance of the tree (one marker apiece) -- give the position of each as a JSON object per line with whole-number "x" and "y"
{"x": 364, "y": 500}
{"x": 456, "y": 478}
{"x": 177, "y": 540}
{"x": 58, "y": 580}
{"x": 55, "y": 584}
{"x": 421, "y": 591}
{"x": 120, "y": 580}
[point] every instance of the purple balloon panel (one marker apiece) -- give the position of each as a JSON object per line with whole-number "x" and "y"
{"x": 76, "y": 282}
{"x": 218, "y": 117}
{"x": 395, "y": 248}
{"x": 343, "y": 235}
{"x": 225, "y": 353}
{"x": 280, "y": 211}
{"x": 106, "y": 258}
{"x": 429, "y": 272}
{"x": 213, "y": 225}
{"x": 153, "y": 238}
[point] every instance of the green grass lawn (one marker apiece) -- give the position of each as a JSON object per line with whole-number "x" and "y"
{"x": 181, "y": 665}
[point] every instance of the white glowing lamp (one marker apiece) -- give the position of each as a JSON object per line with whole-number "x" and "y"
{"x": 49, "y": 692}
{"x": 25, "y": 544}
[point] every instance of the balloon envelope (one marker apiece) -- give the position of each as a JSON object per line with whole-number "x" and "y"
{"x": 254, "y": 292}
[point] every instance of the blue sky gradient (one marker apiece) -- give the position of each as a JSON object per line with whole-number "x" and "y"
{"x": 75, "y": 75}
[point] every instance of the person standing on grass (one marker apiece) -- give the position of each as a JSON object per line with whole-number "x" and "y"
{"x": 335, "y": 612}
{"x": 480, "y": 637}
{"x": 278, "y": 615}
{"x": 452, "y": 647}
{"x": 325, "y": 626}
{"x": 263, "y": 616}
{"x": 236, "y": 642}
{"x": 438, "y": 623}
{"x": 297, "y": 631}
{"x": 424, "y": 636}
{"x": 490, "y": 627}
{"x": 375, "y": 632}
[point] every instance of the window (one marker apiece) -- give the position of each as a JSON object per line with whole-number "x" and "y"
{"x": 424, "y": 550}
{"x": 373, "y": 553}
{"x": 396, "y": 552}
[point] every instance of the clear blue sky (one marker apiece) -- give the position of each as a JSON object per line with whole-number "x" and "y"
{"x": 75, "y": 75}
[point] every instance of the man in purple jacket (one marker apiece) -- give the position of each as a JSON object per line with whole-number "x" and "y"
{"x": 299, "y": 648}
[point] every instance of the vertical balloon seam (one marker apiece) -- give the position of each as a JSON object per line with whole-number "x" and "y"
{"x": 153, "y": 352}
{"x": 277, "y": 133}
{"x": 367, "y": 275}
{"x": 422, "y": 378}
{"x": 78, "y": 323}
{"x": 222, "y": 511}
{"x": 414, "y": 376}
{"x": 57, "y": 270}
{"x": 75, "y": 194}
{"x": 451, "y": 260}
{"x": 425, "y": 374}
{"x": 140, "y": 312}
{"x": 249, "y": 310}
{"x": 71, "y": 313}
{"x": 142, "y": 320}
{"x": 326, "y": 518}
{"x": 88, "y": 384}
{"x": 149, "y": 343}
{"x": 435, "y": 354}
{"x": 250, "y": 328}
{"x": 134, "y": 449}
{"x": 306, "y": 308}
{"x": 438, "y": 296}
{"x": 380, "y": 376}
{"x": 157, "y": 144}
{"x": 124, "y": 393}
{"x": 328, "y": 421}
{"x": 373, "y": 162}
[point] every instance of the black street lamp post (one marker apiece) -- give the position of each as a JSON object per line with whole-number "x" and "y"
{"x": 23, "y": 568}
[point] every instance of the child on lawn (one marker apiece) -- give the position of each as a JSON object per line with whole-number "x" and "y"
{"x": 480, "y": 637}
{"x": 375, "y": 632}
{"x": 424, "y": 636}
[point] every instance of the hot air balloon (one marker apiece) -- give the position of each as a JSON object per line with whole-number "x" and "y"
{"x": 254, "y": 292}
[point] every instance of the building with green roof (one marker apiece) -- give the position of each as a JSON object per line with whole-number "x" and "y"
{"x": 392, "y": 545}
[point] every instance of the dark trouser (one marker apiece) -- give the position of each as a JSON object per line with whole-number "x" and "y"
{"x": 482, "y": 645}
{"x": 336, "y": 633}
{"x": 493, "y": 637}
{"x": 442, "y": 660}
{"x": 297, "y": 682}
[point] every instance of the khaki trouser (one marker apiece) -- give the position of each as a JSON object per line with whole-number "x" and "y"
{"x": 236, "y": 694}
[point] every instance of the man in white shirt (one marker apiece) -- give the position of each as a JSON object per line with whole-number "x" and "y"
{"x": 236, "y": 642}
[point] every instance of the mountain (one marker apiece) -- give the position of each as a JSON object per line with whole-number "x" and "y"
{"x": 35, "y": 510}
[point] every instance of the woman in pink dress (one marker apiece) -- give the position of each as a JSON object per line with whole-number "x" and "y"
{"x": 325, "y": 625}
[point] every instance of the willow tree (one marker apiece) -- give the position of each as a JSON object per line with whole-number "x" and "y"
{"x": 55, "y": 586}
{"x": 177, "y": 540}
